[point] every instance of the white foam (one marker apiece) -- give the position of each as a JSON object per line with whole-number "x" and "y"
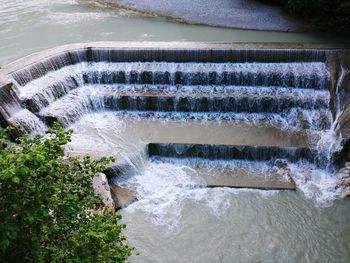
{"x": 28, "y": 123}
{"x": 163, "y": 199}
{"x": 162, "y": 195}
{"x": 65, "y": 18}
{"x": 330, "y": 142}
{"x": 306, "y": 70}
{"x": 316, "y": 184}
{"x": 100, "y": 135}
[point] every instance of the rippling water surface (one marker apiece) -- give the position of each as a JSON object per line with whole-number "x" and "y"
{"x": 183, "y": 224}
{"x": 174, "y": 222}
{"x": 33, "y": 25}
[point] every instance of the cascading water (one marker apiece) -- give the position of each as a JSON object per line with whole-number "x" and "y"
{"x": 289, "y": 97}
{"x": 180, "y": 128}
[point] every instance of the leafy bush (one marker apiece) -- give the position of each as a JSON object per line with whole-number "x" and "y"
{"x": 47, "y": 204}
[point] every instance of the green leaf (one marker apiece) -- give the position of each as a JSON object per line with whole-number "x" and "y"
{"x": 15, "y": 179}
{"x": 45, "y": 204}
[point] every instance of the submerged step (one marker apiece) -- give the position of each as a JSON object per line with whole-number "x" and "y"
{"x": 213, "y": 128}
{"x": 127, "y": 133}
{"x": 235, "y": 173}
{"x": 199, "y": 174}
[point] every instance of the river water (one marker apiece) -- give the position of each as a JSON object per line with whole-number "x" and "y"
{"x": 186, "y": 224}
{"x": 33, "y": 25}
{"x": 175, "y": 222}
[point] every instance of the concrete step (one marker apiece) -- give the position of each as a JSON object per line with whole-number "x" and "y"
{"x": 186, "y": 98}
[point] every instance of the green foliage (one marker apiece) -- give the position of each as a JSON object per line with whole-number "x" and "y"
{"x": 47, "y": 204}
{"x": 327, "y": 15}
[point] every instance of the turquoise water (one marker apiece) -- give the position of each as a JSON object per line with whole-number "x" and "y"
{"x": 33, "y": 25}
{"x": 169, "y": 223}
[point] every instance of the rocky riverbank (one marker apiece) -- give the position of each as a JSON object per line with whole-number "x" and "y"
{"x": 344, "y": 180}
{"x": 225, "y": 13}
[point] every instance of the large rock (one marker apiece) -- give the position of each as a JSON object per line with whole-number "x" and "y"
{"x": 101, "y": 187}
{"x": 123, "y": 196}
{"x": 345, "y": 192}
{"x": 344, "y": 180}
{"x": 338, "y": 63}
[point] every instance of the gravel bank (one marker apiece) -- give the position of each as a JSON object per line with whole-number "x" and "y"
{"x": 243, "y": 14}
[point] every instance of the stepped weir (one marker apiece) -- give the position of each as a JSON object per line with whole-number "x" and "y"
{"x": 249, "y": 111}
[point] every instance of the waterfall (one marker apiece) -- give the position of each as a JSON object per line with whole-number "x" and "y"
{"x": 263, "y": 106}
{"x": 293, "y": 90}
